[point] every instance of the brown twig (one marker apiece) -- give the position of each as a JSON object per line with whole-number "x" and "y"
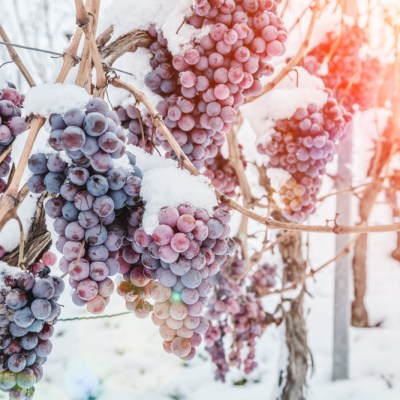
{"x": 105, "y": 36}
{"x": 5, "y": 153}
{"x": 15, "y": 57}
{"x": 69, "y": 58}
{"x": 84, "y": 75}
{"x": 129, "y": 42}
{"x": 271, "y": 223}
{"x": 23, "y": 193}
{"x": 88, "y": 26}
{"x": 300, "y": 282}
{"x": 9, "y": 201}
{"x": 21, "y": 241}
{"x": 38, "y": 239}
{"x": 300, "y": 17}
{"x": 237, "y": 164}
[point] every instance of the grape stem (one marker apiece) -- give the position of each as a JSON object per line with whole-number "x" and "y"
{"x": 88, "y": 26}
{"x": 234, "y": 155}
{"x": 21, "y": 242}
{"x": 84, "y": 75}
{"x": 127, "y": 42}
{"x": 300, "y": 17}
{"x": 5, "y": 153}
{"x": 331, "y": 226}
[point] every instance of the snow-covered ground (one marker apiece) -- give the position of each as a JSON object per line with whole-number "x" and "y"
{"x": 122, "y": 358}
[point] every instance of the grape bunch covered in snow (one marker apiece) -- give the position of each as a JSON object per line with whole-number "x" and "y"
{"x": 29, "y": 311}
{"x": 11, "y": 125}
{"x": 236, "y": 316}
{"x": 352, "y": 76}
{"x": 302, "y": 145}
{"x": 171, "y": 268}
{"x": 92, "y": 196}
{"x": 203, "y": 87}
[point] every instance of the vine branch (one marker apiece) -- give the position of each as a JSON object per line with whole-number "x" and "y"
{"x": 270, "y": 222}
{"x": 15, "y": 57}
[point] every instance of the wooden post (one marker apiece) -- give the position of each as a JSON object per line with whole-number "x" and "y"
{"x": 342, "y": 304}
{"x": 293, "y": 380}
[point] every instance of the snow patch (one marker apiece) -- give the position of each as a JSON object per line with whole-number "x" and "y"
{"x": 297, "y": 90}
{"x": 166, "y": 184}
{"x": 328, "y": 22}
{"x": 3, "y": 84}
{"x": 277, "y": 176}
{"x": 54, "y": 98}
{"x": 138, "y": 64}
{"x": 367, "y": 127}
{"x": 5, "y": 269}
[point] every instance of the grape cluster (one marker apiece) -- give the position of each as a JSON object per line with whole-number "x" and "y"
{"x": 11, "y": 125}
{"x": 91, "y": 136}
{"x": 89, "y": 217}
{"x": 204, "y": 86}
{"x": 28, "y": 313}
{"x": 139, "y": 128}
{"x": 235, "y": 313}
{"x": 136, "y": 277}
{"x": 171, "y": 269}
{"x": 302, "y": 145}
{"x": 352, "y": 77}
{"x": 264, "y": 278}
{"x": 222, "y": 174}
{"x": 92, "y": 198}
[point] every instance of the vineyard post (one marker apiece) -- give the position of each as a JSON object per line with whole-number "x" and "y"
{"x": 342, "y": 305}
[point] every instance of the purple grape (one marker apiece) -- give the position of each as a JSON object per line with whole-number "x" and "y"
{"x": 96, "y": 235}
{"x": 73, "y": 138}
{"x": 37, "y": 164}
{"x": 74, "y": 117}
{"x": 95, "y": 124}
{"x": 78, "y": 175}
{"x": 97, "y": 185}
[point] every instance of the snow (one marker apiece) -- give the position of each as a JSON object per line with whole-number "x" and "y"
{"x": 5, "y": 269}
{"x": 297, "y": 89}
{"x": 277, "y": 176}
{"x": 165, "y": 184}
{"x": 54, "y": 98}
{"x": 157, "y": 12}
{"x": 368, "y": 126}
{"x": 328, "y": 22}
{"x": 137, "y": 63}
{"x": 3, "y": 83}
